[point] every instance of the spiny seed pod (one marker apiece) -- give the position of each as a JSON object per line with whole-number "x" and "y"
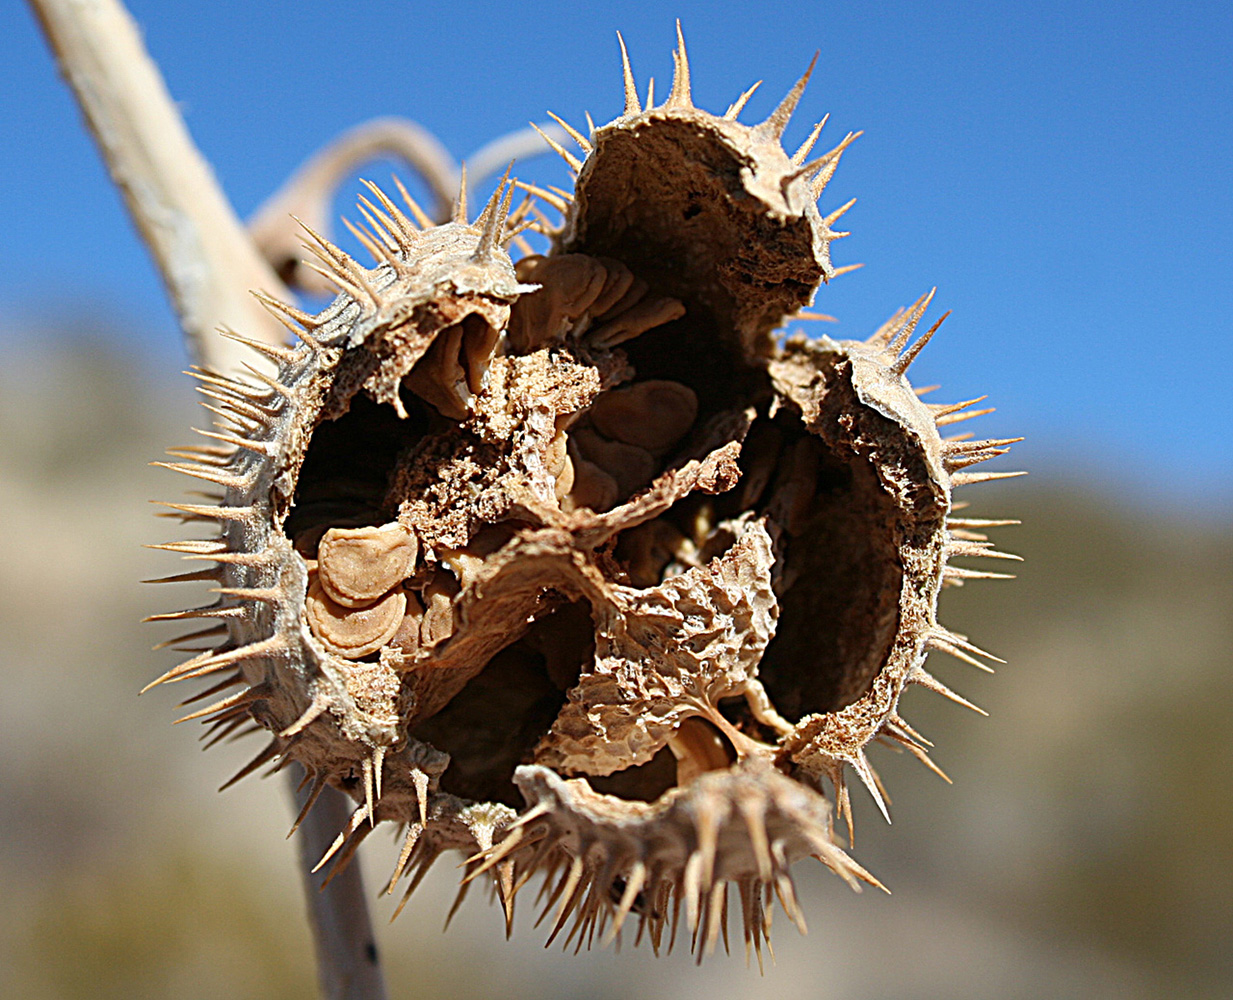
{"x": 570, "y": 564}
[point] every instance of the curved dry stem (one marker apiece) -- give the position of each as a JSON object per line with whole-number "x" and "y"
{"x": 520, "y": 145}
{"x": 309, "y": 192}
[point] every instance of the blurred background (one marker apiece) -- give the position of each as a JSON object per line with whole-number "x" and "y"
{"x": 1063, "y": 176}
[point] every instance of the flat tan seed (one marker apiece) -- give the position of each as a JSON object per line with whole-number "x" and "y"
{"x": 466, "y": 565}
{"x": 357, "y": 565}
{"x": 556, "y": 454}
{"x": 439, "y": 377}
{"x": 653, "y": 415}
{"x": 565, "y": 479}
{"x": 570, "y": 285}
{"x": 593, "y": 488}
{"x": 698, "y": 747}
{"x": 439, "y": 594}
{"x": 407, "y": 638}
{"x": 633, "y": 295}
{"x": 655, "y": 310}
{"x": 479, "y": 341}
{"x": 632, "y": 467}
{"x": 353, "y": 632}
{"x": 619, "y": 280}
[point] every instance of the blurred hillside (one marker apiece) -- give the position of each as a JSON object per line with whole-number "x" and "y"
{"x": 1084, "y": 849}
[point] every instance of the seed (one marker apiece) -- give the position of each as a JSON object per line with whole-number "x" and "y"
{"x": 630, "y": 466}
{"x": 565, "y": 479}
{"x": 353, "y": 632}
{"x": 439, "y": 377}
{"x": 619, "y": 279}
{"x": 571, "y": 283}
{"x": 651, "y": 312}
{"x": 439, "y": 594}
{"x": 653, "y": 415}
{"x": 593, "y": 488}
{"x": 479, "y": 340}
{"x": 357, "y": 565}
{"x": 554, "y": 458}
{"x": 633, "y": 295}
{"x": 698, "y": 747}
{"x": 407, "y": 638}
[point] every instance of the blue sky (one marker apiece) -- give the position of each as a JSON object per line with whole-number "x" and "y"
{"x": 1061, "y": 172}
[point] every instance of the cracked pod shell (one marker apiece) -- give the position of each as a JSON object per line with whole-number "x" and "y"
{"x": 570, "y": 564}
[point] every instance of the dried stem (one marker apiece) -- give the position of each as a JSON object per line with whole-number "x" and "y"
{"x": 347, "y": 964}
{"x": 207, "y": 262}
{"x": 519, "y": 145}
{"x": 308, "y": 195}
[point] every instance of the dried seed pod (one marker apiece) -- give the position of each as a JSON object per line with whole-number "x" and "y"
{"x": 638, "y": 678}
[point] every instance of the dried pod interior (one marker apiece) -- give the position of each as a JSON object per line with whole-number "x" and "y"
{"x": 569, "y": 563}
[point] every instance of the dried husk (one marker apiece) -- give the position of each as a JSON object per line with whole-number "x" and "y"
{"x": 574, "y": 565}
